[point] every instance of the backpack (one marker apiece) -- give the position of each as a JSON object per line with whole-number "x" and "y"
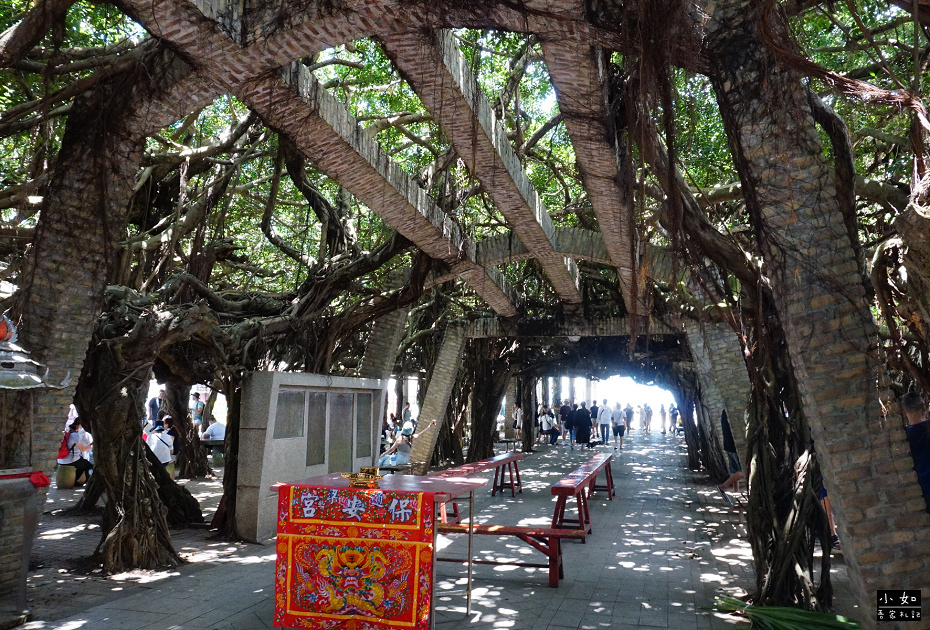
{"x": 63, "y": 450}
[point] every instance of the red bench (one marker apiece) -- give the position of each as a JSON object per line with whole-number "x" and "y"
{"x": 540, "y": 538}
{"x": 506, "y": 463}
{"x": 574, "y": 485}
{"x": 500, "y": 463}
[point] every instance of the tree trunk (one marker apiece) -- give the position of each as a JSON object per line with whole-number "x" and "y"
{"x": 712, "y": 457}
{"x": 527, "y": 398}
{"x": 491, "y": 377}
{"x": 225, "y": 518}
{"x": 111, "y": 393}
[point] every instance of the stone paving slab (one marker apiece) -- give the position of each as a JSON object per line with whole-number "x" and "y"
{"x": 658, "y": 554}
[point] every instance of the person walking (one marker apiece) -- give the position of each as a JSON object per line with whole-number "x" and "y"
{"x": 604, "y": 418}
{"x": 581, "y": 423}
{"x": 79, "y": 443}
{"x": 595, "y": 432}
{"x": 619, "y": 426}
{"x": 662, "y": 417}
{"x": 565, "y": 413}
{"x": 570, "y": 426}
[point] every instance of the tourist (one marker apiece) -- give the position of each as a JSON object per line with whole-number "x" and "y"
{"x": 645, "y": 416}
{"x": 565, "y": 412}
{"x": 918, "y": 436}
{"x": 604, "y": 418}
{"x": 399, "y": 452}
{"x": 537, "y": 423}
{"x": 595, "y": 433}
{"x": 673, "y": 418}
{"x": 172, "y": 432}
{"x": 196, "y": 408}
{"x": 581, "y": 423}
{"x": 161, "y": 444}
{"x": 662, "y": 417}
{"x": 155, "y": 405}
{"x": 569, "y": 426}
{"x": 517, "y": 423}
{"x": 549, "y": 426}
{"x": 619, "y": 426}
{"x": 628, "y": 412}
{"x": 828, "y": 509}
{"x": 80, "y": 443}
{"x": 215, "y": 431}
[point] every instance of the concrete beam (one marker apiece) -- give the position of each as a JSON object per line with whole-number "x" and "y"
{"x": 292, "y": 101}
{"x": 325, "y": 131}
{"x": 601, "y": 327}
{"x": 437, "y": 71}
{"x": 578, "y": 73}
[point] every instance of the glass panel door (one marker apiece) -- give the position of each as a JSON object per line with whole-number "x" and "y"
{"x": 341, "y": 416}
{"x": 363, "y": 428}
{"x": 316, "y": 428}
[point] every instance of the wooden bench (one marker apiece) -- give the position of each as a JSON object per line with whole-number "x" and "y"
{"x": 545, "y": 540}
{"x": 510, "y": 444}
{"x": 506, "y": 462}
{"x": 574, "y": 485}
{"x": 503, "y": 464}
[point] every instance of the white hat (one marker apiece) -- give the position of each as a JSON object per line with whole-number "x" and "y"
{"x": 407, "y": 429}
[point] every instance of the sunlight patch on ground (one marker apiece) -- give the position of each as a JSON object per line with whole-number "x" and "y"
{"x": 59, "y": 534}
{"x": 143, "y": 577}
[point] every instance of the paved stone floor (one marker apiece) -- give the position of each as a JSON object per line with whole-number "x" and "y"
{"x": 659, "y": 553}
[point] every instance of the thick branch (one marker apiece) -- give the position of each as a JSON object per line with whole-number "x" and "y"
{"x": 19, "y": 38}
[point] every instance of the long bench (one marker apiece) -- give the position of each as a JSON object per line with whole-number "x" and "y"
{"x": 575, "y": 484}
{"x": 546, "y": 540}
{"x": 503, "y": 464}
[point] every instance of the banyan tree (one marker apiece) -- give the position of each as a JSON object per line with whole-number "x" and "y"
{"x": 724, "y": 198}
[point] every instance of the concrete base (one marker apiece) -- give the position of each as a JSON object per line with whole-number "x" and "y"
{"x": 18, "y": 520}
{"x": 14, "y": 619}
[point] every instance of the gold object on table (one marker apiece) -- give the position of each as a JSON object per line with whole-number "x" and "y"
{"x": 367, "y": 478}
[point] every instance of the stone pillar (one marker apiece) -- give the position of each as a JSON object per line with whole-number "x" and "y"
{"x": 726, "y": 357}
{"x": 704, "y": 369}
{"x": 511, "y": 401}
{"x": 19, "y": 502}
{"x": 588, "y": 391}
{"x": 437, "y": 397}
{"x": 722, "y": 373}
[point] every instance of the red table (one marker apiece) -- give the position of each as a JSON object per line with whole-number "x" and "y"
{"x": 356, "y": 556}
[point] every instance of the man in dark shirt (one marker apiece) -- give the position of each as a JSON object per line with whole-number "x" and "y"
{"x": 918, "y": 435}
{"x": 594, "y": 411}
{"x": 565, "y": 413}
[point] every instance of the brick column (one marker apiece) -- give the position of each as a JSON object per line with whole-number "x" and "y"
{"x": 704, "y": 369}
{"x": 810, "y": 260}
{"x": 381, "y": 350}
{"x": 717, "y": 351}
{"x": 437, "y": 395}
